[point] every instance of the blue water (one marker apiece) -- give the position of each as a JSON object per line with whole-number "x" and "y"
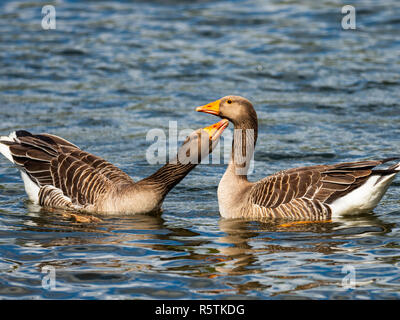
{"x": 111, "y": 71}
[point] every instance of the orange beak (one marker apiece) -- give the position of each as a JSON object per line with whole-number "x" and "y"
{"x": 215, "y": 130}
{"x": 212, "y": 108}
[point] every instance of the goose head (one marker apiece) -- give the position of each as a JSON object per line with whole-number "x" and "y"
{"x": 233, "y": 108}
{"x": 201, "y": 143}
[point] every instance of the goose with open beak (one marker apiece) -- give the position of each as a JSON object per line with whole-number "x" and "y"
{"x": 307, "y": 193}
{"x": 58, "y": 174}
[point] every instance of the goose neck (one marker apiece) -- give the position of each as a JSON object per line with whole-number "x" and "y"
{"x": 243, "y": 145}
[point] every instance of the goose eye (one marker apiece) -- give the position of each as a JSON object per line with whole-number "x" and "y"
{"x": 229, "y": 101}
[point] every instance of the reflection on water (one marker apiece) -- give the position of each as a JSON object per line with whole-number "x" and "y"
{"x": 147, "y": 256}
{"x": 114, "y": 70}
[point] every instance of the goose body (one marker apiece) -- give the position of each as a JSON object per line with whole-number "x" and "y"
{"x": 307, "y": 193}
{"x": 58, "y": 174}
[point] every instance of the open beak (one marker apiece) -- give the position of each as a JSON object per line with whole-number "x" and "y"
{"x": 212, "y": 108}
{"x": 215, "y": 130}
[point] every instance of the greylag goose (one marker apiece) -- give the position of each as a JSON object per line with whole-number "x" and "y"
{"x": 58, "y": 174}
{"x": 308, "y": 193}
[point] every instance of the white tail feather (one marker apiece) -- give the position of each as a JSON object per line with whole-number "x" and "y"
{"x": 363, "y": 199}
{"x": 31, "y": 188}
{"x": 4, "y": 149}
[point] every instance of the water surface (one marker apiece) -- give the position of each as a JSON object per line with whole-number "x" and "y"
{"x": 113, "y": 70}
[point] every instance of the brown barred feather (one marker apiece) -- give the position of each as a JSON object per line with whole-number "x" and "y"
{"x": 62, "y": 170}
{"x": 18, "y": 150}
{"x": 306, "y": 192}
{"x": 39, "y": 155}
{"x": 58, "y": 140}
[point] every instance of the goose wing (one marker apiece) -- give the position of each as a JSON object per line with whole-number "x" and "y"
{"x": 307, "y": 191}
{"x": 76, "y": 175}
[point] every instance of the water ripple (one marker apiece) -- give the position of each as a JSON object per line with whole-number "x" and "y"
{"x": 113, "y": 70}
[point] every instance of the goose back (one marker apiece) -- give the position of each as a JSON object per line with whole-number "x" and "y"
{"x": 80, "y": 177}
